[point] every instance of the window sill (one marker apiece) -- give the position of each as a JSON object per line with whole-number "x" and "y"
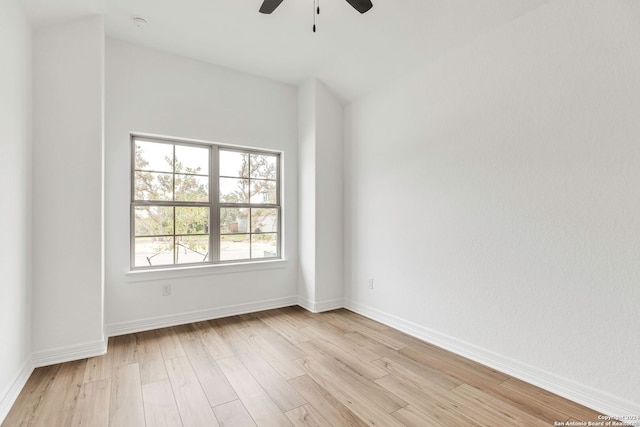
{"x": 202, "y": 270}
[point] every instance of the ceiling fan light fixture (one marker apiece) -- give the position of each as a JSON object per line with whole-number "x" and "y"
{"x": 362, "y": 6}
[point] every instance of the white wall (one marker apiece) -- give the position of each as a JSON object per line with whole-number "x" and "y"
{"x": 307, "y": 193}
{"x": 329, "y": 197}
{"x": 154, "y": 92}
{"x": 15, "y": 213}
{"x": 67, "y": 191}
{"x": 320, "y": 197}
{"x": 494, "y": 198}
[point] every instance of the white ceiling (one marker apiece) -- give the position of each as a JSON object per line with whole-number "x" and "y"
{"x": 351, "y": 53}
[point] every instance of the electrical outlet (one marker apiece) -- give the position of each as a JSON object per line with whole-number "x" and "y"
{"x": 166, "y": 290}
{"x": 370, "y": 283}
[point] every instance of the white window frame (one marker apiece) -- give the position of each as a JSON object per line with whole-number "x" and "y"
{"x": 213, "y": 204}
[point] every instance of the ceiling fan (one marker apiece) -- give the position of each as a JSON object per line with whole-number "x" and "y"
{"x": 361, "y": 6}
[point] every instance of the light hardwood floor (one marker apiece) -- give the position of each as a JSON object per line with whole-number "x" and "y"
{"x": 281, "y": 368}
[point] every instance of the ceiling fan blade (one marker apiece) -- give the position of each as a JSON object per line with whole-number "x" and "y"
{"x": 269, "y": 6}
{"x": 360, "y": 5}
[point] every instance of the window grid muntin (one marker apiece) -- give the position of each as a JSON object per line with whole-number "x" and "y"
{"x": 172, "y": 203}
{"x": 214, "y": 202}
{"x": 249, "y": 205}
{"x": 252, "y": 233}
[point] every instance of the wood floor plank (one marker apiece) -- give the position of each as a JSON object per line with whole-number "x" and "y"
{"x": 60, "y": 400}
{"x": 410, "y": 416}
{"x": 169, "y": 343}
{"x": 426, "y": 351}
{"x": 125, "y": 350}
{"x": 189, "y": 338}
{"x": 150, "y": 358}
{"x": 463, "y": 371}
{"x": 93, "y": 404}
{"x": 227, "y": 328}
{"x": 330, "y": 324}
{"x": 127, "y": 406}
{"x": 432, "y": 369}
{"x": 381, "y": 337}
{"x": 276, "y": 387}
{"x": 336, "y": 321}
{"x": 401, "y": 337}
{"x": 287, "y": 349}
{"x": 100, "y": 367}
{"x": 498, "y": 411}
{"x": 214, "y": 343}
{"x": 332, "y": 349}
{"x": 364, "y": 402}
{"x": 263, "y": 410}
{"x": 214, "y": 383}
{"x": 306, "y": 416}
{"x": 371, "y": 329}
{"x": 439, "y": 408}
{"x": 252, "y": 326}
{"x": 342, "y": 342}
{"x": 296, "y": 316}
{"x": 191, "y": 400}
{"x": 285, "y": 366}
{"x": 364, "y": 322}
{"x": 331, "y": 409}
{"x": 233, "y": 414}
{"x": 370, "y": 344}
{"x": 212, "y": 380}
{"x": 160, "y": 408}
{"x": 282, "y": 325}
{"x": 417, "y": 374}
{"x": 300, "y": 316}
{"x": 548, "y": 399}
{"x": 355, "y": 370}
{"x": 27, "y": 406}
{"x": 527, "y": 404}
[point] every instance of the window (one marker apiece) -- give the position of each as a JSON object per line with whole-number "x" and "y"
{"x": 179, "y": 189}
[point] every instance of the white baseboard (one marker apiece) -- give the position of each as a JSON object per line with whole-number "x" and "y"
{"x": 321, "y": 306}
{"x": 147, "y": 324}
{"x": 69, "y": 353}
{"x": 597, "y": 400}
{"x": 10, "y": 394}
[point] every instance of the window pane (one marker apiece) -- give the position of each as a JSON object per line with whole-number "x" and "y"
{"x": 173, "y": 205}
{"x": 154, "y": 156}
{"x": 234, "y": 190}
{"x": 150, "y": 251}
{"x": 190, "y": 220}
{"x": 235, "y": 246}
{"x": 264, "y": 166}
{"x": 263, "y": 191}
{"x": 191, "y": 159}
{"x": 234, "y": 220}
{"x": 264, "y": 220}
{"x": 190, "y": 188}
{"x": 191, "y": 249}
{"x": 153, "y": 220}
{"x": 264, "y": 245}
{"x": 153, "y": 186}
{"x": 234, "y": 164}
